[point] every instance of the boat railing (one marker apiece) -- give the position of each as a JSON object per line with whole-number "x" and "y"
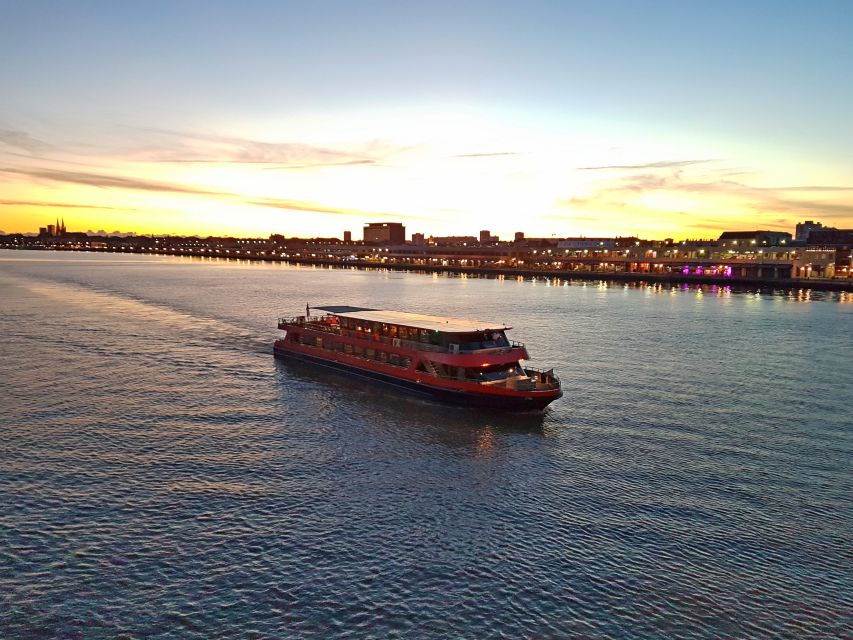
{"x": 329, "y": 324}
{"x": 490, "y": 346}
{"x": 318, "y": 323}
{"x": 547, "y": 379}
{"x": 534, "y": 379}
{"x": 376, "y": 338}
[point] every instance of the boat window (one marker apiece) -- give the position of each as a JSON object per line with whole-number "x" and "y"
{"x": 494, "y": 372}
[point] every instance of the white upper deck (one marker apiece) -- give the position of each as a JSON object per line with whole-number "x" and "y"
{"x": 416, "y": 320}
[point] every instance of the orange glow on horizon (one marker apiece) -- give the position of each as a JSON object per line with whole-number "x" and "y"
{"x": 460, "y": 182}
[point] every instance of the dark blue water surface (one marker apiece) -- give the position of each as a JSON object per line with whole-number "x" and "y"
{"x": 162, "y": 476}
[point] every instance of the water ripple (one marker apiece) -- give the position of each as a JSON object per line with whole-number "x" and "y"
{"x": 162, "y": 476}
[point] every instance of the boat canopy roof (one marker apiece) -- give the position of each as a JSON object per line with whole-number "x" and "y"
{"x": 417, "y": 320}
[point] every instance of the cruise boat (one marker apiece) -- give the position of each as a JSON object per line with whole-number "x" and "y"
{"x": 449, "y": 359}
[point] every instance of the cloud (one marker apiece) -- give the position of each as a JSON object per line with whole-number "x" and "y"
{"x": 28, "y": 203}
{"x": 662, "y": 164}
{"x": 248, "y": 152}
{"x": 593, "y": 201}
{"x": 22, "y": 140}
{"x": 106, "y": 181}
{"x": 486, "y": 155}
{"x": 720, "y": 224}
{"x": 188, "y": 147}
{"x": 814, "y": 209}
{"x": 644, "y": 182}
{"x": 620, "y": 194}
{"x": 576, "y": 217}
{"x": 347, "y": 163}
{"x": 807, "y": 188}
{"x": 314, "y": 207}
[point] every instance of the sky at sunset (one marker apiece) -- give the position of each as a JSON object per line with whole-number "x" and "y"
{"x": 659, "y": 119}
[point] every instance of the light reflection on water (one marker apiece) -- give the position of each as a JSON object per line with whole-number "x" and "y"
{"x": 162, "y": 475}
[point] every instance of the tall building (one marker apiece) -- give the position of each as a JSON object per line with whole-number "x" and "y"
{"x": 486, "y": 237}
{"x": 385, "y": 233}
{"x": 347, "y": 236}
{"x": 519, "y": 236}
{"x": 803, "y": 229}
{"x": 418, "y": 239}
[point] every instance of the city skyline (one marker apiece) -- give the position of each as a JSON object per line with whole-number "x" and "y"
{"x": 404, "y": 235}
{"x": 660, "y": 120}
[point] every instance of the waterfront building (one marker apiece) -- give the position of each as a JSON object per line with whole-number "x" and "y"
{"x": 574, "y": 244}
{"x": 831, "y": 237}
{"x": 384, "y": 233}
{"x": 814, "y": 262}
{"x": 418, "y": 239}
{"x": 754, "y": 238}
{"x": 452, "y": 241}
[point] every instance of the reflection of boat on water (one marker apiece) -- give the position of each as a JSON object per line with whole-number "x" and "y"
{"x": 448, "y": 423}
{"x": 460, "y": 361}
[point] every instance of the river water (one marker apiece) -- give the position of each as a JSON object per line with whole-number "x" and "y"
{"x": 163, "y": 476}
